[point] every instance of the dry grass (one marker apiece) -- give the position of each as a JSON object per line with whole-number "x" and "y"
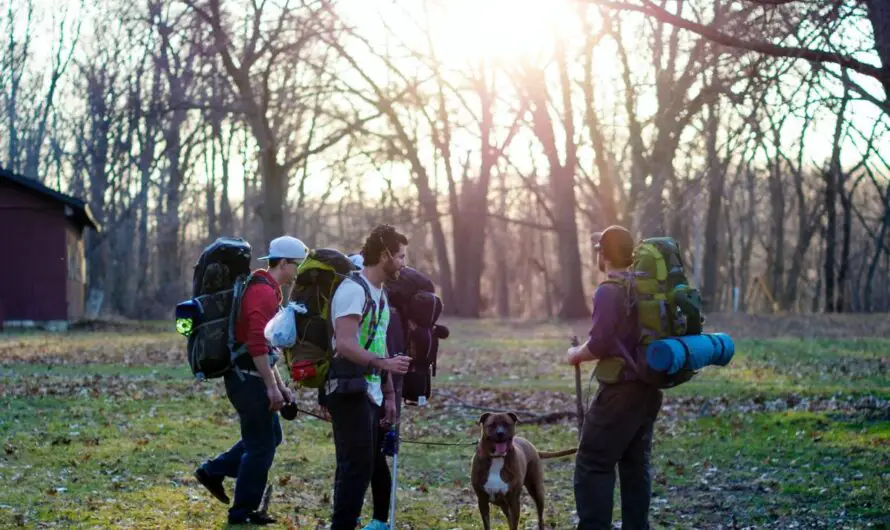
{"x": 103, "y": 429}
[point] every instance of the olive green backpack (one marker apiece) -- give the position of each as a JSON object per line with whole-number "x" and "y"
{"x": 668, "y": 306}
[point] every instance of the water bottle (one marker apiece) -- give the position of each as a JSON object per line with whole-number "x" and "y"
{"x": 391, "y": 442}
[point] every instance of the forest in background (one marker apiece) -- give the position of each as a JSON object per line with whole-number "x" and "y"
{"x": 497, "y": 136}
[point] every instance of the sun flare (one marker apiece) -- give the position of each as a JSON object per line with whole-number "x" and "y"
{"x": 499, "y": 30}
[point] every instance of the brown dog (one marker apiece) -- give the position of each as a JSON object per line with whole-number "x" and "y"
{"x": 503, "y": 464}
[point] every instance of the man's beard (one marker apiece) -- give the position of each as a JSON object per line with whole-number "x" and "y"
{"x": 392, "y": 273}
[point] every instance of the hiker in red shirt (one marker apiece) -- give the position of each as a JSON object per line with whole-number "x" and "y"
{"x": 255, "y": 389}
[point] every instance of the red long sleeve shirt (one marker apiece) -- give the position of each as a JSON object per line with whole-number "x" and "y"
{"x": 258, "y": 305}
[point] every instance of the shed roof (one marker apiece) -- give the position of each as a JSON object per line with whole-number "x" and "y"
{"x": 81, "y": 210}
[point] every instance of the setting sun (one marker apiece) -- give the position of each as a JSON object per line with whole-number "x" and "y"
{"x": 501, "y": 30}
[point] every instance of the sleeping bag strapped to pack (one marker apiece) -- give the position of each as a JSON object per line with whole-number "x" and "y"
{"x": 417, "y": 309}
{"x": 208, "y": 319}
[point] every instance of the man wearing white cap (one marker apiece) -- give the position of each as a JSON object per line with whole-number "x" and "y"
{"x": 255, "y": 390}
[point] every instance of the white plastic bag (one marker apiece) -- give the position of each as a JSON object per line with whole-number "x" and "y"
{"x": 281, "y": 331}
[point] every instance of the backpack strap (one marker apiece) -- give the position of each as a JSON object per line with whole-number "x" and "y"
{"x": 370, "y": 307}
{"x": 240, "y": 289}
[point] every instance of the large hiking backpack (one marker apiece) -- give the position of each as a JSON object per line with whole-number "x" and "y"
{"x": 208, "y": 319}
{"x": 318, "y": 277}
{"x": 667, "y": 305}
{"x": 413, "y": 295}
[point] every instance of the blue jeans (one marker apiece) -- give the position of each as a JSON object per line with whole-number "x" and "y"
{"x": 249, "y": 460}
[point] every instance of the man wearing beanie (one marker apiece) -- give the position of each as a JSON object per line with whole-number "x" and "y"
{"x": 619, "y": 422}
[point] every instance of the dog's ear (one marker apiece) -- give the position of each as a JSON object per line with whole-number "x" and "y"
{"x": 514, "y": 417}
{"x": 484, "y": 417}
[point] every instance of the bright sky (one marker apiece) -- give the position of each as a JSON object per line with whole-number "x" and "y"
{"x": 502, "y": 32}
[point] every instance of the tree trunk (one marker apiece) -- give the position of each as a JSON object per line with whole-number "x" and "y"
{"x": 170, "y": 276}
{"x": 574, "y": 304}
{"x": 469, "y": 251}
{"x": 843, "y": 302}
{"x": 879, "y": 249}
{"x": 562, "y": 182}
{"x": 471, "y": 221}
{"x": 274, "y": 192}
{"x": 505, "y": 273}
{"x": 542, "y": 254}
{"x": 716, "y": 181}
{"x": 879, "y": 14}
{"x": 777, "y": 254}
{"x": 817, "y": 292}
{"x": 431, "y": 212}
{"x": 833, "y": 180}
{"x": 146, "y": 159}
{"x": 602, "y": 158}
{"x": 210, "y": 190}
{"x": 746, "y": 238}
{"x": 98, "y": 151}
{"x": 226, "y": 220}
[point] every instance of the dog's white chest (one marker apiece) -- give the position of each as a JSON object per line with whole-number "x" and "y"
{"x": 495, "y": 484}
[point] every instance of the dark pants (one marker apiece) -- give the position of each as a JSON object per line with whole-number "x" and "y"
{"x": 617, "y": 430}
{"x": 249, "y": 460}
{"x": 381, "y": 480}
{"x": 355, "y": 422}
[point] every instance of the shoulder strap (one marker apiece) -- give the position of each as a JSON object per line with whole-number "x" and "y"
{"x": 628, "y": 285}
{"x": 235, "y": 314}
{"x": 370, "y": 307}
{"x": 256, "y": 277}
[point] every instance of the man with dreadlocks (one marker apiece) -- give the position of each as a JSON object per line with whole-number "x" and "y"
{"x": 619, "y": 422}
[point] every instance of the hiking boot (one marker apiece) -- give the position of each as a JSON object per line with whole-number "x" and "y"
{"x": 213, "y": 485}
{"x": 257, "y": 518}
{"x": 376, "y": 525}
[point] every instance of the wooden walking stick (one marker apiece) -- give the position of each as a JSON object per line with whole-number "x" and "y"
{"x": 579, "y": 399}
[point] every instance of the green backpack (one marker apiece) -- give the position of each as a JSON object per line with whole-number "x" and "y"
{"x": 318, "y": 277}
{"x": 668, "y": 306}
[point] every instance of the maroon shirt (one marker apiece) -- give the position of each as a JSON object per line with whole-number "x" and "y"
{"x": 615, "y": 328}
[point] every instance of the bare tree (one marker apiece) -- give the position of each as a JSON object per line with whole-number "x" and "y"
{"x": 31, "y": 96}
{"x": 427, "y": 97}
{"x": 271, "y": 71}
{"x": 829, "y": 17}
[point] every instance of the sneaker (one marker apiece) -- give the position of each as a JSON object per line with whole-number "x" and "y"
{"x": 376, "y": 525}
{"x": 213, "y": 485}
{"x": 256, "y": 518}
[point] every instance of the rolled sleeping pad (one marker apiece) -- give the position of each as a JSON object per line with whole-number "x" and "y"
{"x": 691, "y": 351}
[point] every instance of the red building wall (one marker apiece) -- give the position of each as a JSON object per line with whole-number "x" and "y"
{"x": 33, "y": 269}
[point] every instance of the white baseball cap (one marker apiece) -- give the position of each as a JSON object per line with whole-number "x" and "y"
{"x": 286, "y": 247}
{"x": 358, "y": 260}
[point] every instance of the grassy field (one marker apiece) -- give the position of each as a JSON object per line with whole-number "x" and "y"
{"x": 104, "y": 429}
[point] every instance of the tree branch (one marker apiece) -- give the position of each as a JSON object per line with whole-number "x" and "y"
{"x": 709, "y": 32}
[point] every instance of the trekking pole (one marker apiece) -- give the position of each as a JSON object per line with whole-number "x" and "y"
{"x": 579, "y": 400}
{"x": 264, "y": 504}
{"x": 391, "y": 448}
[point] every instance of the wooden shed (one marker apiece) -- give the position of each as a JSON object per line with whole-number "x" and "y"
{"x": 43, "y": 265}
